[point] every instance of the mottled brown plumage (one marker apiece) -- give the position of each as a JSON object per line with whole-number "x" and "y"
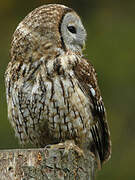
{"x": 52, "y": 91}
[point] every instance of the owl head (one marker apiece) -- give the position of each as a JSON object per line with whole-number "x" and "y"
{"x": 48, "y": 28}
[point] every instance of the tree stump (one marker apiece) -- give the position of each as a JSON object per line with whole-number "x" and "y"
{"x": 45, "y": 164}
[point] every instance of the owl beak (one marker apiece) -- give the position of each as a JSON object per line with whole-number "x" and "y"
{"x": 83, "y": 46}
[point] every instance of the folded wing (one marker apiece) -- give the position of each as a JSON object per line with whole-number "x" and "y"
{"x": 101, "y": 144}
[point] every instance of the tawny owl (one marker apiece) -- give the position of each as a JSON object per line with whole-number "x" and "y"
{"x": 52, "y": 91}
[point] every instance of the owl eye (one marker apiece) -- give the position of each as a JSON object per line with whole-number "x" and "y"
{"x": 72, "y": 29}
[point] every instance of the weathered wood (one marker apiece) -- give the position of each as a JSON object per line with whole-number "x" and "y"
{"x": 44, "y": 164}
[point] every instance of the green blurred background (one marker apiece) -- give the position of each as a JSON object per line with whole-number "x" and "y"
{"x": 111, "y": 48}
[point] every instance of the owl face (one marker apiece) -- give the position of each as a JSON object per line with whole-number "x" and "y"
{"x": 73, "y": 32}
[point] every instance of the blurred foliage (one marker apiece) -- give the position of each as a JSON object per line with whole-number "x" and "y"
{"x": 110, "y": 46}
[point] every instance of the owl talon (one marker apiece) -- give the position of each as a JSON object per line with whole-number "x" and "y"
{"x": 55, "y": 146}
{"x": 70, "y": 145}
{"x": 67, "y": 146}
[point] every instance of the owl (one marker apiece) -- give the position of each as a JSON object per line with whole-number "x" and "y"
{"x": 52, "y": 91}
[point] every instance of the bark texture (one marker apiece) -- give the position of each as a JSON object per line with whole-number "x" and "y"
{"x": 44, "y": 164}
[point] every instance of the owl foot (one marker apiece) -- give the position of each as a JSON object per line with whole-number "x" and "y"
{"x": 68, "y": 145}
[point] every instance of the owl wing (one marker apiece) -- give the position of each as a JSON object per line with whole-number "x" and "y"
{"x": 101, "y": 145}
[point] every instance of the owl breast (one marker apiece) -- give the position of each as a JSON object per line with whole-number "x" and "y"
{"x": 49, "y": 106}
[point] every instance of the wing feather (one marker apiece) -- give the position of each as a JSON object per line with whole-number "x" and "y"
{"x": 86, "y": 75}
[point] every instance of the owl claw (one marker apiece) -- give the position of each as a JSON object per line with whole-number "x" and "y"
{"x": 55, "y": 146}
{"x": 70, "y": 145}
{"x": 67, "y": 146}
